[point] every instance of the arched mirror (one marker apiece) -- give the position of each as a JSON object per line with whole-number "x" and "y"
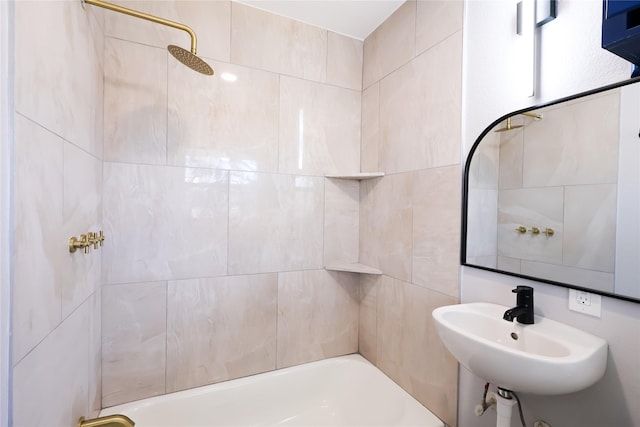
{"x": 552, "y": 193}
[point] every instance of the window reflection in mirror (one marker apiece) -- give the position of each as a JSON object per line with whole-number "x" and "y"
{"x": 548, "y": 191}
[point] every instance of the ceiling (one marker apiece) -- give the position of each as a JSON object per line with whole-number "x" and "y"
{"x": 353, "y": 18}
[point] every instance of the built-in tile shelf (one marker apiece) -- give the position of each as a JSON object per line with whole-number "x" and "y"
{"x": 354, "y": 267}
{"x": 358, "y": 176}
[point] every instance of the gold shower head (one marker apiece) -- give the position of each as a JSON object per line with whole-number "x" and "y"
{"x": 190, "y": 60}
{"x": 187, "y": 58}
{"x": 508, "y": 126}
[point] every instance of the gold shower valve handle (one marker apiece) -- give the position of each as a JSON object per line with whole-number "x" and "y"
{"x": 522, "y": 229}
{"x": 535, "y": 230}
{"x": 85, "y": 241}
{"x": 93, "y": 240}
{"x": 82, "y": 243}
{"x": 549, "y": 232}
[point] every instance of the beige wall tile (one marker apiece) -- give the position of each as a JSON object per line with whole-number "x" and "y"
{"x": 590, "y": 279}
{"x": 94, "y": 305}
{"x": 482, "y": 202}
{"x": 274, "y": 43}
{"x": 210, "y": 20}
{"x": 437, "y": 20}
{"x": 587, "y": 154}
{"x": 386, "y": 222}
{"x": 220, "y": 329}
{"x": 50, "y": 385}
{"x": 58, "y": 70}
{"x": 370, "y": 145}
{"x": 39, "y": 243}
{"x": 317, "y": 316}
{"x": 164, "y": 223}
{"x": 319, "y": 128}
{"x": 513, "y": 265}
{"x": 82, "y": 213}
{"x": 531, "y": 207}
{"x": 420, "y": 108}
{"x": 135, "y": 103}
{"x": 482, "y": 224}
{"x": 511, "y": 157}
{"x": 409, "y": 349}
{"x": 275, "y": 222}
{"x": 436, "y": 229}
{"x": 134, "y": 332}
{"x": 341, "y": 220}
{"x": 368, "y": 325}
{"x": 223, "y": 124}
{"x": 590, "y": 227}
{"x": 391, "y": 45}
{"x": 344, "y": 61}
{"x": 484, "y": 170}
{"x": 59, "y": 126}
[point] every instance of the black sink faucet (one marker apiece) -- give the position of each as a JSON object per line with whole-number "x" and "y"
{"x": 523, "y": 311}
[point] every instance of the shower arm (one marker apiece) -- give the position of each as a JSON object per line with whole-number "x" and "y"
{"x": 142, "y": 15}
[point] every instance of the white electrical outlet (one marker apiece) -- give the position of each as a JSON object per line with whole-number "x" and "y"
{"x": 585, "y": 302}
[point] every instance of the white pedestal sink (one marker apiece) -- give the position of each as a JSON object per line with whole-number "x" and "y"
{"x": 547, "y": 357}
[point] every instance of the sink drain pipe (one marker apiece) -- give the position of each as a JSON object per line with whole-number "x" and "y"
{"x": 504, "y": 407}
{"x": 504, "y": 401}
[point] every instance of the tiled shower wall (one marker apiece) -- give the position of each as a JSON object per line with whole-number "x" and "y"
{"x": 409, "y": 219}
{"x": 219, "y": 217}
{"x": 58, "y": 188}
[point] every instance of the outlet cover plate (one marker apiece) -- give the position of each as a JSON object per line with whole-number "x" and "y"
{"x": 585, "y": 302}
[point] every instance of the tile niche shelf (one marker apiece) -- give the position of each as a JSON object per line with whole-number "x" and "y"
{"x": 355, "y": 267}
{"x": 358, "y": 176}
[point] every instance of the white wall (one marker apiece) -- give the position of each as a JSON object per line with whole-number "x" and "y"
{"x": 571, "y": 61}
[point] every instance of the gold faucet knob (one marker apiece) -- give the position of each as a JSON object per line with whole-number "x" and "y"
{"x": 535, "y": 230}
{"x": 86, "y": 244}
{"x": 549, "y": 232}
{"x": 100, "y": 238}
{"x": 92, "y": 238}
{"x": 522, "y": 229}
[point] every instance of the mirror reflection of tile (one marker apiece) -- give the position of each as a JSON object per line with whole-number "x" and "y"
{"x": 560, "y": 173}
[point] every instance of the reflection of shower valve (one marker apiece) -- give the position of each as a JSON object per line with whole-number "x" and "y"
{"x": 536, "y": 230}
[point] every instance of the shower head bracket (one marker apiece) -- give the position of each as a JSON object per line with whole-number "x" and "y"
{"x": 146, "y": 16}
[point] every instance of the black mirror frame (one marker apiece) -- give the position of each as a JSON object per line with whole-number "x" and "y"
{"x": 465, "y": 192}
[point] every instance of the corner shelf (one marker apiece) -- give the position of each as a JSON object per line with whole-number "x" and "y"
{"x": 358, "y": 176}
{"x": 354, "y": 267}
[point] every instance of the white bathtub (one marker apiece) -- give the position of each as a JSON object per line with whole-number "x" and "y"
{"x": 342, "y": 391}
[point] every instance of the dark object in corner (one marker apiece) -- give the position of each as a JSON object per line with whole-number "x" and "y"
{"x": 621, "y": 29}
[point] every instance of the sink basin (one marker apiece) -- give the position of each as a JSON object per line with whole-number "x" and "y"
{"x": 547, "y": 357}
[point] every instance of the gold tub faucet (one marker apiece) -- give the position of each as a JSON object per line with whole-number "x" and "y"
{"x": 108, "y": 421}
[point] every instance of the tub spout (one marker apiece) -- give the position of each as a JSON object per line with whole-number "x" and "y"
{"x": 108, "y": 421}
